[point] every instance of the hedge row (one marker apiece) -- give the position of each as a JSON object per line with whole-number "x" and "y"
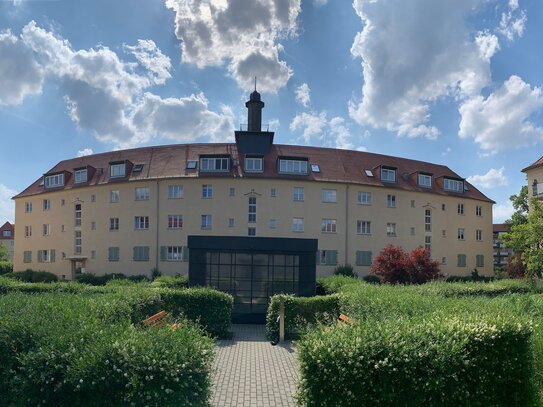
{"x": 300, "y": 313}
{"x": 171, "y": 282}
{"x": 6, "y": 267}
{"x": 69, "y": 350}
{"x": 464, "y": 360}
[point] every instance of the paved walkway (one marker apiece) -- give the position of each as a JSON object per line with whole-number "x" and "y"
{"x": 250, "y": 372}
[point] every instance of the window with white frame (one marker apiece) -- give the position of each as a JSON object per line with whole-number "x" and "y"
{"x": 273, "y": 224}
{"x": 28, "y": 231}
{"x": 328, "y": 257}
{"x": 363, "y": 227}
{"x": 428, "y": 220}
{"x": 329, "y": 195}
{"x": 175, "y": 221}
{"x": 388, "y": 174}
{"x": 206, "y": 221}
{"x": 297, "y": 194}
{"x": 478, "y": 210}
{"x": 461, "y": 232}
{"x": 412, "y": 231}
{"x": 171, "y": 253}
{"x": 253, "y": 164}
{"x": 6, "y": 233}
{"x": 114, "y": 196}
{"x": 207, "y": 191}
{"x": 141, "y": 222}
{"x": 175, "y": 191}
{"x": 113, "y": 223}
{"x": 453, "y": 185}
{"x": 27, "y": 256}
{"x": 78, "y": 216}
{"x": 78, "y": 242}
{"x": 117, "y": 170}
{"x": 142, "y": 193}
{"x": 231, "y": 222}
{"x": 214, "y": 163}
{"x": 364, "y": 198}
{"x": 478, "y": 235}
{"x": 251, "y": 231}
{"x": 391, "y": 229}
{"x": 232, "y": 191}
{"x": 297, "y": 224}
{"x": 460, "y": 208}
{"x": 252, "y": 209}
{"x": 46, "y": 229}
{"x": 428, "y": 242}
{"x": 141, "y": 253}
{"x": 273, "y": 192}
{"x": 391, "y": 201}
{"x": 292, "y": 166}
{"x": 425, "y": 180}
{"x": 46, "y": 204}
{"x": 80, "y": 175}
{"x": 329, "y": 225}
{"x": 52, "y": 181}
{"x": 28, "y": 207}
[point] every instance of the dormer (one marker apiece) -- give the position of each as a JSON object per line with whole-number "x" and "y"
{"x": 214, "y": 163}
{"x": 84, "y": 174}
{"x": 120, "y": 169}
{"x": 292, "y": 165}
{"x": 424, "y": 180}
{"x": 453, "y": 185}
{"x": 388, "y": 174}
{"x": 56, "y": 179}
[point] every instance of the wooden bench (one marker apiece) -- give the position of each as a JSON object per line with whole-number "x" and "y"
{"x": 159, "y": 319}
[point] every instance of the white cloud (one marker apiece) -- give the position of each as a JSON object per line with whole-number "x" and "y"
{"x": 341, "y": 133}
{"x": 513, "y": 21}
{"x": 502, "y": 212}
{"x": 243, "y": 34}
{"x": 311, "y": 123}
{"x": 302, "y": 93}
{"x": 20, "y": 74}
{"x": 7, "y": 206}
{"x": 317, "y": 129}
{"x": 488, "y": 44}
{"x": 107, "y": 95}
{"x": 492, "y": 179}
{"x": 85, "y": 152}
{"x": 320, "y": 3}
{"x": 502, "y": 120}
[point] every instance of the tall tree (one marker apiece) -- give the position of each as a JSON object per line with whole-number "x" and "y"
{"x": 520, "y": 204}
{"x": 4, "y": 254}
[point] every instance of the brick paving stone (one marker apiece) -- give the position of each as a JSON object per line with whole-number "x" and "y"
{"x": 249, "y": 371}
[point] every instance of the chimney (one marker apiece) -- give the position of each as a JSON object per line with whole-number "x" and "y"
{"x": 254, "y": 114}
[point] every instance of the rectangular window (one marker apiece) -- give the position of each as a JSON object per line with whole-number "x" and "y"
{"x": 412, "y": 231}
{"x": 141, "y": 222}
{"x": 46, "y": 229}
{"x": 175, "y": 221}
{"x": 207, "y": 191}
{"x": 444, "y": 260}
{"x": 453, "y": 185}
{"x": 460, "y": 208}
{"x": 93, "y": 198}
{"x": 142, "y": 194}
{"x": 329, "y": 226}
{"x": 479, "y": 260}
{"x": 175, "y": 191}
{"x": 206, "y": 221}
{"x": 117, "y": 170}
{"x": 114, "y": 196}
{"x": 364, "y": 198}
{"x": 412, "y": 203}
{"x": 93, "y": 225}
{"x": 478, "y": 210}
{"x": 273, "y": 223}
{"x": 28, "y": 231}
{"x": 62, "y": 202}
{"x": 231, "y": 222}
{"x": 232, "y": 191}
{"x": 6, "y": 233}
{"x": 391, "y": 229}
{"x": 444, "y": 233}
{"x": 460, "y": 233}
{"x": 251, "y": 232}
{"x": 46, "y": 204}
{"x": 27, "y": 256}
{"x": 214, "y": 163}
{"x": 273, "y": 192}
{"x": 45, "y": 256}
{"x": 77, "y": 215}
{"x": 293, "y": 166}
{"x": 252, "y": 209}
{"x": 141, "y": 253}
{"x": 297, "y": 224}
{"x": 93, "y": 254}
{"x": 52, "y": 181}
{"x": 428, "y": 242}
{"x": 478, "y": 235}
{"x": 388, "y": 174}
{"x": 461, "y": 260}
{"x": 363, "y": 227}
{"x": 391, "y": 201}
{"x": 113, "y": 223}
{"x": 328, "y": 257}
{"x": 77, "y": 242}
{"x": 171, "y": 253}
{"x": 28, "y": 207}
{"x": 297, "y": 194}
{"x": 253, "y": 164}
{"x": 363, "y": 258}
{"x": 425, "y": 180}
{"x": 329, "y": 195}
{"x": 428, "y": 220}
{"x": 113, "y": 254}
{"x": 80, "y": 176}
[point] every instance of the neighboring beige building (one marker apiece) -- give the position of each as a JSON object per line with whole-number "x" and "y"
{"x": 131, "y": 211}
{"x": 7, "y": 238}
{"x": 534, "y": 174}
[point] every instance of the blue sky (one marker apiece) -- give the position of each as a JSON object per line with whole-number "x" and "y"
{"x": 456, "y": 82}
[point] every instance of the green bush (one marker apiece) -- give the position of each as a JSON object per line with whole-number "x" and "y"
{"x": 300, "y": 313}
{"x": 345, "y": 270}
{"x": 464, "y": 360}
{"x": 171, "y": 282}
{"x": 31, "y": 276}
{"x": 6, "y": 267}
{"x": 335, "y": 284}
{"x": 372, "y": 279}
{"x": 93, "y": 279}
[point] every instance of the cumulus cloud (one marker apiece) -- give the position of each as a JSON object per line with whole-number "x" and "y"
{"x": 85, "y": 152}
{"x": 513, "y": 21}
{"x": 7, "y": 206}
{"x": 20, "y": 74}
{"x": 317, "y": 129}
{"x": 302, "y": 93}
{"x": 502, "y": 212}
{"x": 492, "y": 179}
{"x": 243, "y": 34}
{"x": 108, "y": 95}
{"x": 502, "y": 120}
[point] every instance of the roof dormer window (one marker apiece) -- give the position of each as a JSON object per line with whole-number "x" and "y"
{"x": 54, "y": 180}
{"x": 117, "y": 170}
{"x": 388, "y": 174}
{"x": 453, "y": 185}
{"x": 315, "y": 168}
{"x": 424, "y": 180}
{"x": 254, "y": 164}
{"x": 293, "y": 166}
{"x": 138, "y": 168}
{"x": 80, "y": 175}
{"x": 214, "y": 164}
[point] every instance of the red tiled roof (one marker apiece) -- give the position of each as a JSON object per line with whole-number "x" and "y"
{"x": 500, "y": 227}
{"x": 538, "y": 163}
{"x": 7, "y": 226}
{"x": 335, "y": 165}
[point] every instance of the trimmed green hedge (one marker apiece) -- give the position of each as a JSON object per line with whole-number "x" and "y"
{"x": 70, "y": 350}
{"x": 464, "y": 360}
{"x": 171, "y": 282}
{"x": 31, "y": 276}
{"x": 300, "y": 312}
{"x": 6, "y": 267}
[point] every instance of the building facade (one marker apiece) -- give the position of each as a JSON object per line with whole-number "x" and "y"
{"x": 134, "y": 210}
{"x": 7, "y": 238}
{"x": 502, "y": 253}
